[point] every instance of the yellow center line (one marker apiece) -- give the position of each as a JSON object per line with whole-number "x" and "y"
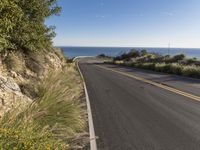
{"x": 174, "y": 90}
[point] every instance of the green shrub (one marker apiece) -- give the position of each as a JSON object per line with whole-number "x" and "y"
{"x": 191, "y": 61}
{"x": 28, "y": 137}
{"x": 167, "y": 68}
{"x": 133, "y": 53}
{"x": 143, "y": 52}
{"x": 177, "y": 64}
{"x": 191, "y": 71}
{"x": 150, "y": 66}
{"x": 119, "y": 62}
{"x": 160, "y": 67}
{"x": 137, "y": 65}
{"x": 176, "y": 68}
{"x": 22, "y": 24}
{"x": 18, "y": 131}
{"x": 178, "y": 57}
{"x": 129, "y": 64}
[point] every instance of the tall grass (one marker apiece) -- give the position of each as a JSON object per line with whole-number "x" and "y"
{"x": 172, "y": 68}
{"x": 14, "y": 61}
{"x": 178, "y": 64}
{"x": 52, "y": 120}
{"x": 21, "y": 134}
{"x": 191, "y": 71}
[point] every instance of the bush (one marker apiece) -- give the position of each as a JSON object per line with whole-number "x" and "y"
{"x": 101, "y": 56}
{"x": 18, "y": 131}
{"x": 127, "y": 56}
{"x": 167, "y": 68}
{"x": 179, "y": 57}
{"x": 191, "y": 61}
{"x": 176, "y": 68}
{"x": 134, "y": 53}
{"x": 143, "y": 52}
{"x": 150, "y": 66}
{"x": 119, "y": 62}
{"x": 28, "y": 137}
{"x": 138, "y": 65}
{"x": 22, "y": 24}
{"x": 160, "y": 67}
{"x": 129, "y": 64}
{"x": 177, "y": 64}
{"x": 191, "y": 71}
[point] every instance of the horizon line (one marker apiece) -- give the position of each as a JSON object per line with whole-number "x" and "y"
{"x": 124, "y": 46}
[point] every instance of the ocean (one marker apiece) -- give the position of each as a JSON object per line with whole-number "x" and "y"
{"x": 71, "y": 52}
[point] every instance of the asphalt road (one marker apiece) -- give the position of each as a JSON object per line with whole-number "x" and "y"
{"x": 132, "y": 115}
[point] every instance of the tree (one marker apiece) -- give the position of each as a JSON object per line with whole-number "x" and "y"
{"x": 10, "y": 15}
{"x": 134, "y": 53}
{"x": 22, "y": 24}
{"x": 143, "y": 52}
{"x": 178, "y": 57}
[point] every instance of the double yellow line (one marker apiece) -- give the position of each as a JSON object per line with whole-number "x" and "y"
{"x": 179, "y": 92}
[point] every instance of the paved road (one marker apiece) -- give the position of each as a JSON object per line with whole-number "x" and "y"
{"x": 132, "y": 115}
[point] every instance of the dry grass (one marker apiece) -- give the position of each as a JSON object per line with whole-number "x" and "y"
{"x": 53, "y": 120}
{"x": 15, "y": 62}
{"x": 171, "y": 68}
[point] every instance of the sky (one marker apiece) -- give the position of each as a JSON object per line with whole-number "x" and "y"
{"x": 128, "y": 23}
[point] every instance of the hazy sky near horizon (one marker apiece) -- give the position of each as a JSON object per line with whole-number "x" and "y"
{"x": 138, "y": 23}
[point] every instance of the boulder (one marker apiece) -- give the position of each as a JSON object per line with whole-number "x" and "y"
{"x": 7, "y": 83}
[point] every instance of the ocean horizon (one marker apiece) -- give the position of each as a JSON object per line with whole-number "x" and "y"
{"x": 72, "y": 51}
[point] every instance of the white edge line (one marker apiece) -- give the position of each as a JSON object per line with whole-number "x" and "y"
{"x": 93, "y": 145}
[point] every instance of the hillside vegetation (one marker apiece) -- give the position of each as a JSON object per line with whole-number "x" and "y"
{"x": 22, "y": 25}
{"x": 54, "y": 119}
{"x": 41, "y": 96}
{"x": 178, "y": 64}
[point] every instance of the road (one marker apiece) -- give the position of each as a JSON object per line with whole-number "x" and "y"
{"x": 130, "y": 114}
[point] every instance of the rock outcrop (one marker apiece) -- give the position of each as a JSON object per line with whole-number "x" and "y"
{"x": 20, "y": 72}
{"x": 10, "y": 95}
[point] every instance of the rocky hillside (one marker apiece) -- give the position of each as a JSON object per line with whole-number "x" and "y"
{"x": 20, "y": 72}
{"x": 41, "y": 102}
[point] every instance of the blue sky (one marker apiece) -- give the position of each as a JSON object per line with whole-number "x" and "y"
{"x": 139, "y": 23}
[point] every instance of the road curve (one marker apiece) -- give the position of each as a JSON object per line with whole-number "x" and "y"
{"x": 132, "y": 115}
